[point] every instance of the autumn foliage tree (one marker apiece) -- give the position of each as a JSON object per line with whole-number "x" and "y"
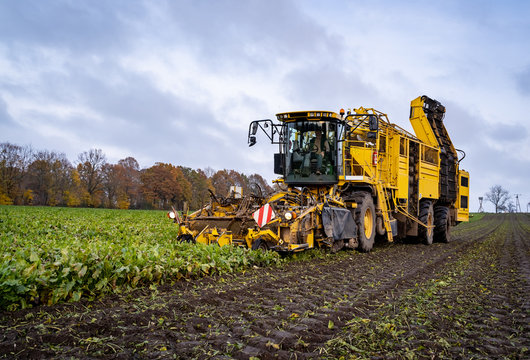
{"x": 110, "y": 184}
{"x": 48, "y": 178}
{"x": 129, "y": 177}
{"x": 121, "y": 183}
{"x": 200, "y": 186}
{"x": 221, "y": 182}
{"x": 164, "y": 185}
{"x": 14, "y": 161}
{"x": 261, "y": 183}
{"x": 90, "y": 169}
{"x": 223, "y": 179}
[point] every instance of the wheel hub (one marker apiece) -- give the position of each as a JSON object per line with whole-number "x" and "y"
{"x": 368, "y": 223}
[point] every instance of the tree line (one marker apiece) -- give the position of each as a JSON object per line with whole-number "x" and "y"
{"x": 29, "y": 177}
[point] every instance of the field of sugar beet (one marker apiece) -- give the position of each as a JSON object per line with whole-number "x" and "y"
{"x": 465, "y": 299}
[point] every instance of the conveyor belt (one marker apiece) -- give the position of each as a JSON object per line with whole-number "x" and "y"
{"x": 435, "y": 113}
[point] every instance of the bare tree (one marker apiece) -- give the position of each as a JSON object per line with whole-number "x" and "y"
{"x": 209, "y": 172}
{"x": 499, "y": 197}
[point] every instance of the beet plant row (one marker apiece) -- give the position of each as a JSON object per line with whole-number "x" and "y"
{"x": 50, "y": 255}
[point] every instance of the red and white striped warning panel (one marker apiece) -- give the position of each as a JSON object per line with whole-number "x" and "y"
{"x": 263, "y": 215}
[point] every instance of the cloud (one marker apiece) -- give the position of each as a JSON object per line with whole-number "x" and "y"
{"x": 495, "y": 153}
{"x": 127, "y": 113}
{"x": 79, "y": 26}
{"x": 508, "y": 133}
{"x": 320, "y": 86}
{"x": 243, "y": 35}
{"x": 523, "y": 82}
{"x": 5, "y": 117}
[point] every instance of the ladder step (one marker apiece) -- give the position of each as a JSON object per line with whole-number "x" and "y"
{"x": 384, "y": 209}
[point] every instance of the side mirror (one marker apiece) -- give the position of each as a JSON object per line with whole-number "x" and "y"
{"x": 253, "y": 129}
{"x": 371, "y": 135}
{"x": 251, "y": 141}
{"x": 373, "y": 123}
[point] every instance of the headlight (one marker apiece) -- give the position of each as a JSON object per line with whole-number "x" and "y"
{"x": 171, "y": 215}
{"x": 289, "y": 215}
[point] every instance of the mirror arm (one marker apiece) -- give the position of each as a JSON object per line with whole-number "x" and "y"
{"x": 264, "y": 125}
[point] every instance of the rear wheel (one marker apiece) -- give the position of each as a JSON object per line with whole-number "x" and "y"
{"x": 442, "y": 223}
{"x": 365, "y": 218}
{"x": 426, "y": 234}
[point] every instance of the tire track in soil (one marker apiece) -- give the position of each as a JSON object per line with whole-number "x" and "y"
{"x": 305, "y": 294}
{"x": 480, "y": 313}
{"x": 508, "y": 328}
{"x": 268, "y": 313}
{"x": 498, "y": 286}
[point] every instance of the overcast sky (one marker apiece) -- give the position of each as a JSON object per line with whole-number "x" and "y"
{"x": 179, "y": 81}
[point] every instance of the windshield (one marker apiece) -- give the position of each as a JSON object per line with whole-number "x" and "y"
{"x": 311, "y": 154}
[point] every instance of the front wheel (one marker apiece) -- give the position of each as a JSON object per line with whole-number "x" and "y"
{"x": 187, "y": 238}
{"x": 365, "y": 218}
{"x": 260, "y": 244}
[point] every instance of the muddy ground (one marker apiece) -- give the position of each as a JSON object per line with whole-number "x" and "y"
{"x": 469, "y": 298}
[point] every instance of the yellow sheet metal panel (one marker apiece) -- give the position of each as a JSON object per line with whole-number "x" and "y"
{"x": 420, "y": 123}
{"x": 403, "y": 171}
{"x": 429, "y": 181}
{"x": 225, "y": 239}
{"x": 429, "y": 172}
{"x": 463, "y": 196}
{"x": 403, "y": 178}
{"x": 362, "y": 160}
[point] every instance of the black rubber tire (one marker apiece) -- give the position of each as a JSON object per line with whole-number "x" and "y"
{"x": 260, "y": 244}
{"x": 442, "y": 223}
{"x": 427, "y": 217}
{"x": 365, "y": 231}
{"x": 186, "y": 238}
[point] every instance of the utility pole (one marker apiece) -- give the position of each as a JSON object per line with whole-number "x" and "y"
{"x": 480, "y": 209}
{"x": 517, "y": 203}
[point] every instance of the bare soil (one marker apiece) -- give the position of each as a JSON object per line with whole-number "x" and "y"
{"x": 480, "y": 307}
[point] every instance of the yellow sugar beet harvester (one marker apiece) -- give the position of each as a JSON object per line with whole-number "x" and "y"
{"x": 344, "y": 178}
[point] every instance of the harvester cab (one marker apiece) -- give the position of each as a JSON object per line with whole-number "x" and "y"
{"x": 308, "y": 143}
